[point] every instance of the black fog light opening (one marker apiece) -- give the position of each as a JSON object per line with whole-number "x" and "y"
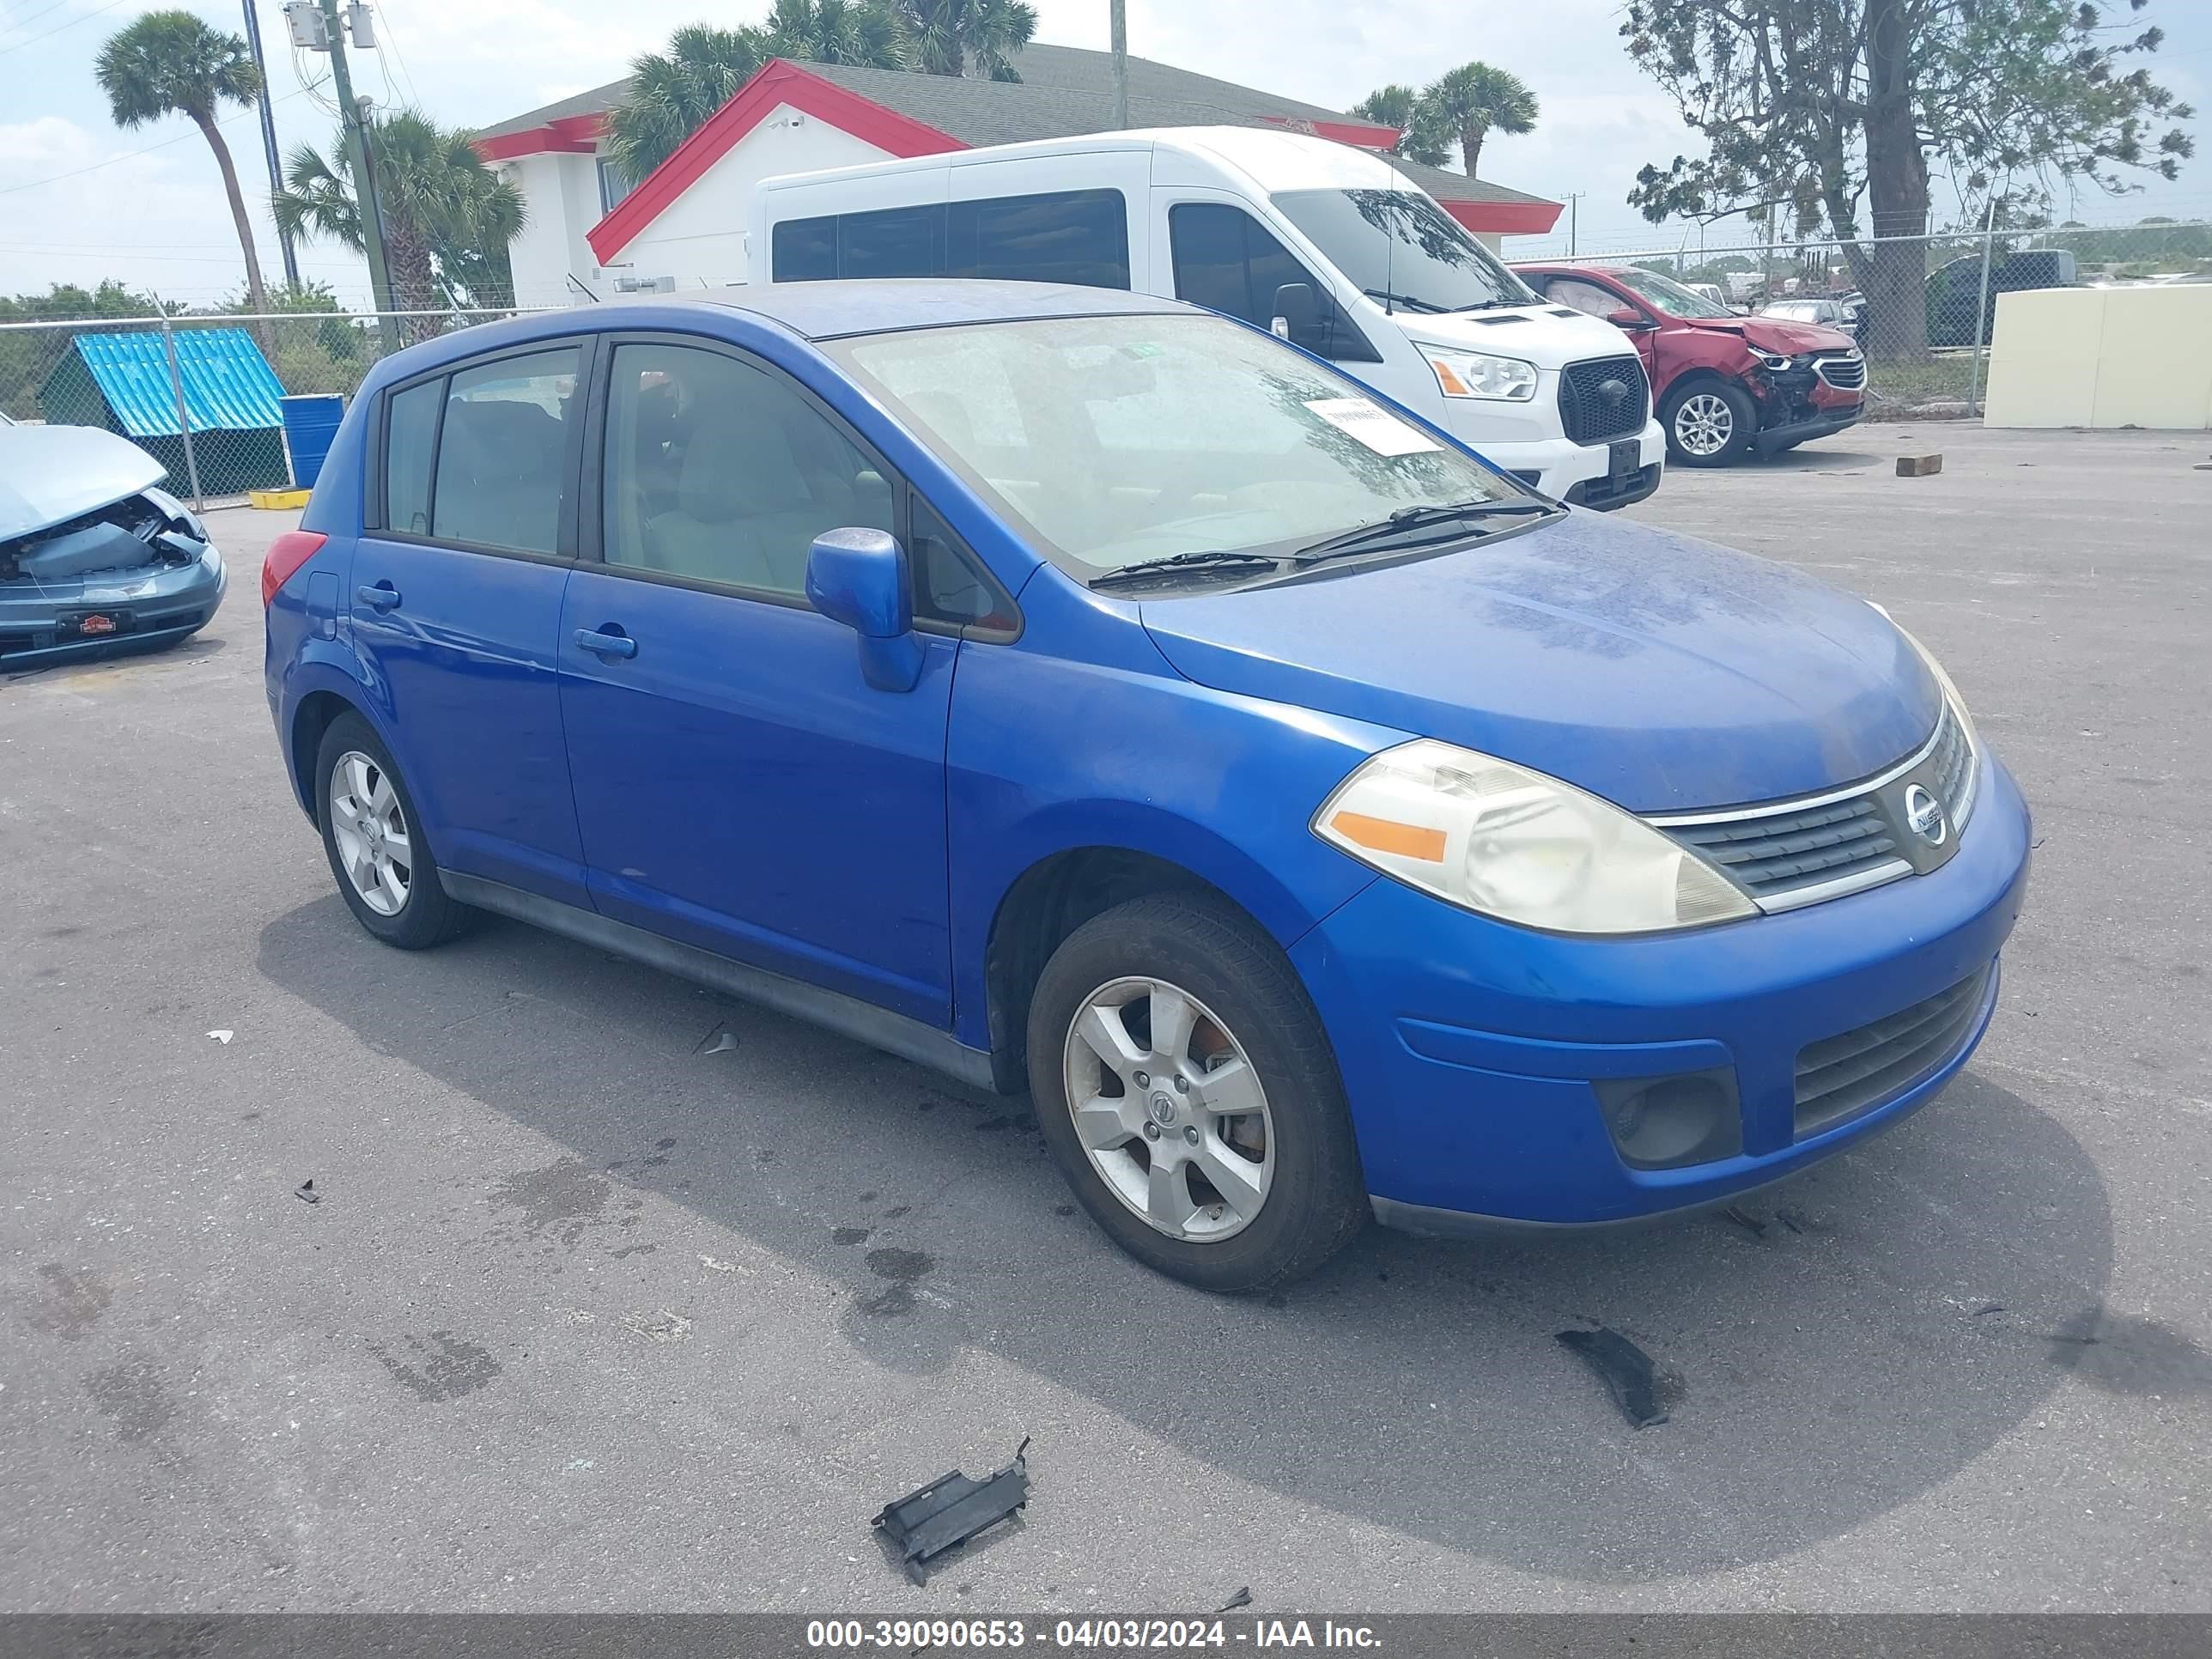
{"x": 1672, "y": 1121}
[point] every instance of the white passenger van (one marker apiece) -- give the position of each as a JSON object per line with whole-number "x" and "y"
{"x": 1330, "y": 245}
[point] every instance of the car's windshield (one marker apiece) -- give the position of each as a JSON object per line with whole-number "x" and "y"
{"x": 1111, "y": 442}
{"x": 1402, "y": 250}
{"x": 1667, "y": 294}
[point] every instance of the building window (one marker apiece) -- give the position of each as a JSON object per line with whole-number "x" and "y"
{"x": 614, "y": 184}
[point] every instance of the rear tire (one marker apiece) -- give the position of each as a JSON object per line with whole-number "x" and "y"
{"x": 1202, "y": 1013}
{"x": 1710, "y": 424}
{"x": 374, "y": 838}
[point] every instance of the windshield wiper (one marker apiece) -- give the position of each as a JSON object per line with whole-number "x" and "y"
{"x": 1406, "y": 520}
{"x": 1405, "y": 299}
{"x": 1203, "y": 559}
{"x": 1495, "y": 305}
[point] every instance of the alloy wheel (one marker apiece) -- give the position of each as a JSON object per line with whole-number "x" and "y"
{"x": 1170, "y": 1110}
{"x": 1704, "y": 425}
{"x": 374, "y": 848}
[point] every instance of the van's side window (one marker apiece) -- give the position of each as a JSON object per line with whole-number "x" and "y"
{"x": 1227, "y": 261}
{"x": 410, "y": 428}
{"x": 723, "y": 472}
{"x": 502, "y": 452}
{"x": 1080, "y": 236}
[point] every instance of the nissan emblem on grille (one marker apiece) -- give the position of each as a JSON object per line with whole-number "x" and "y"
{"x": 1923, "y": 814}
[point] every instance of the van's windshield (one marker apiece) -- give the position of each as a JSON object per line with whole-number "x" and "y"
{"x": 1118, "y": 441}
{"x": 1402, "y": 251}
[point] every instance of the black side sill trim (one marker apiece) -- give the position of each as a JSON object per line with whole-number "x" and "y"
{"x": 878, "y": 1028}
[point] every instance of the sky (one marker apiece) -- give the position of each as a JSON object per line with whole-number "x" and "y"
{"x": 80, "y": 200}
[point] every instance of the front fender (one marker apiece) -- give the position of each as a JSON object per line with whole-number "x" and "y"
{"x": 1048, "y": 755}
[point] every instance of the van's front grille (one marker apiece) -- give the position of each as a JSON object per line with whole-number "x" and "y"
{"x": 1839, "y": 1076}
{"x": 1604, "y": 399}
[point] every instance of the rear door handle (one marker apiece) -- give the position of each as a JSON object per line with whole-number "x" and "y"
{"x": 382, "y": 597}
{"x": 606, "y": 644}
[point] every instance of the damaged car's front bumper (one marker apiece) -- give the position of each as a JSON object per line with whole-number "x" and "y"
{"x": 94, "y": 558}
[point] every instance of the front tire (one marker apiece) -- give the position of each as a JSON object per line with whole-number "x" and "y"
{"x": 372, "y": 836}
{"x": 1184, "y": 1084}
{"x": 1710, "y": 424}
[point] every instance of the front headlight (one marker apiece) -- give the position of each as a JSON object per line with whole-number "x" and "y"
{"x": 1774, "y": 362}
{"x": 1478, "y": 375}
{"x": 1511, "y": 843}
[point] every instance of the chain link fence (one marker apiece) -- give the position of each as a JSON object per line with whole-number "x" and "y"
{"x": 1921, "y": 307}
{"x": 229, "y": 403}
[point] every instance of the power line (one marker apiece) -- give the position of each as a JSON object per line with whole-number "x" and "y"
{"x": 132, "y": 155}
{"x": 49, "y": 34}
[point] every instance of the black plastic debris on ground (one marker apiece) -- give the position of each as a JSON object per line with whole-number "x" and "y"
{"x": 951, "y": 1509}
{"x": 1623, "y": 1368}
{"x": 305, "y": 1192}
{"x": 1241, "y": 1598}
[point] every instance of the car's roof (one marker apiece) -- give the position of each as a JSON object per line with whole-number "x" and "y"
{"x": 824, "y": 311}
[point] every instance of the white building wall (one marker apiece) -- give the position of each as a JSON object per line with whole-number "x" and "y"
{"x": 561, "y": 202}
{"x": 699, "y": 240}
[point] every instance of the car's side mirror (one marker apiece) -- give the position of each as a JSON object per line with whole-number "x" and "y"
{"x": 1629, "y": 319}
{"x": 859, "y": 577}
{"x": 1296, "y": 314}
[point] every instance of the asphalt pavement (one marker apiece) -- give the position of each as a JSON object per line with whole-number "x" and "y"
{"x": 621, "y": 1294}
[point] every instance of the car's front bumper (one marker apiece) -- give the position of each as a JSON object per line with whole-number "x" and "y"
{"x": 152, "y": 608}
{"x": 1469, "y": 1048}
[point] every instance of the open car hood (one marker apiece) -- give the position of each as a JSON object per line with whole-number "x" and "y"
{"x": 50, "y": 475}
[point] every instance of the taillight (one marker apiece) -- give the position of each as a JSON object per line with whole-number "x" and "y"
{"x": 286, "y": 555}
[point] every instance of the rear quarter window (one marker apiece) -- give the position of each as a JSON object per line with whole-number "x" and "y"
{"x": 411, "y": 434}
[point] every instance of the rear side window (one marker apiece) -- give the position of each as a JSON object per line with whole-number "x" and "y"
{"x": 1228, "y": 261}
{"x": 502, "y": 452}
{"x": 410, "y": 432}
{"x": 1078, "y": 236}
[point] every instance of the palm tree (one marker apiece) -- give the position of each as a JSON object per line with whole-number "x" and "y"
{"x": 673, "y": 93}
{"x": 867, "y": 33}
{"x": 170, "y": 63}
{"x": 448, "y": 219}
{"x": 1471, "y": 100}
{"x": 1401, "y": 108}
{"x": 964, "y": 37}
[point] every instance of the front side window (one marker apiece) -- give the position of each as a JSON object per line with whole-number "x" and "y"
{"x": 1588, "y": 298}
{"x": 1143, "y": 437}
{"x": 1402, "y": 250}
{"x": 502, "y": 452}
{"x": 1228, "y": 261}
{"x": 411, "y": 430}
{"x": 718, "y": 471}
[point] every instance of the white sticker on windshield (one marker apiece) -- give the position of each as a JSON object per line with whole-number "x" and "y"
{"x": 1373, "y": 425}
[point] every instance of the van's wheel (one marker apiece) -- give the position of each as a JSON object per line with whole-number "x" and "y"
{"x": 374, "y": 838}
{"x": 1710, "y": 423}
{"x": 1183, "y": 1082}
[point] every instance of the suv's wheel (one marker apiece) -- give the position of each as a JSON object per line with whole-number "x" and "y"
{"x": 1710, "y": 424}
{"x": 374, "y": 841}
{"x": 1183, "y": 1082}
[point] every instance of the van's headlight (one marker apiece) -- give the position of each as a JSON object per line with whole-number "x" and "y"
{"x": 1512, "y": 843}
{"x": 1479, "y": 375}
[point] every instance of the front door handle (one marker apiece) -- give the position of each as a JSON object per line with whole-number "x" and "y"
{"x": 606, "y": 643}
{"x": 382, "y": 597}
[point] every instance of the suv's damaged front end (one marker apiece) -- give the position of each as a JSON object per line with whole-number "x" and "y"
{"x": 95, "y": 558}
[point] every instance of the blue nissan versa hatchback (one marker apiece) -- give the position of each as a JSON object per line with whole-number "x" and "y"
{"x": 1077, "y": 691}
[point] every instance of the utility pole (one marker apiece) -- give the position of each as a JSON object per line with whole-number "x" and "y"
{"x": 1119, "y": 12}
{"x": 1574, "y": 218}
{"x": 269, "y": 143}
{"x": 331, "y": 37}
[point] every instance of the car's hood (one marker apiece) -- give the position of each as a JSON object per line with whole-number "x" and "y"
{"x": 1663, "y": 673}
{"x": 1548, "y": 336}
{"x": 51, "y": 474}
{"x": 1778, "y": 334}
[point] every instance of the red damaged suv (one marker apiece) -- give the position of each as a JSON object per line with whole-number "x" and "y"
{"x": 1726, "y": 388}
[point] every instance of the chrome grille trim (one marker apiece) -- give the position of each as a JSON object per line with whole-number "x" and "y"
{"x": 1845, "y": 374}
{"x": 1807, "y": 855}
